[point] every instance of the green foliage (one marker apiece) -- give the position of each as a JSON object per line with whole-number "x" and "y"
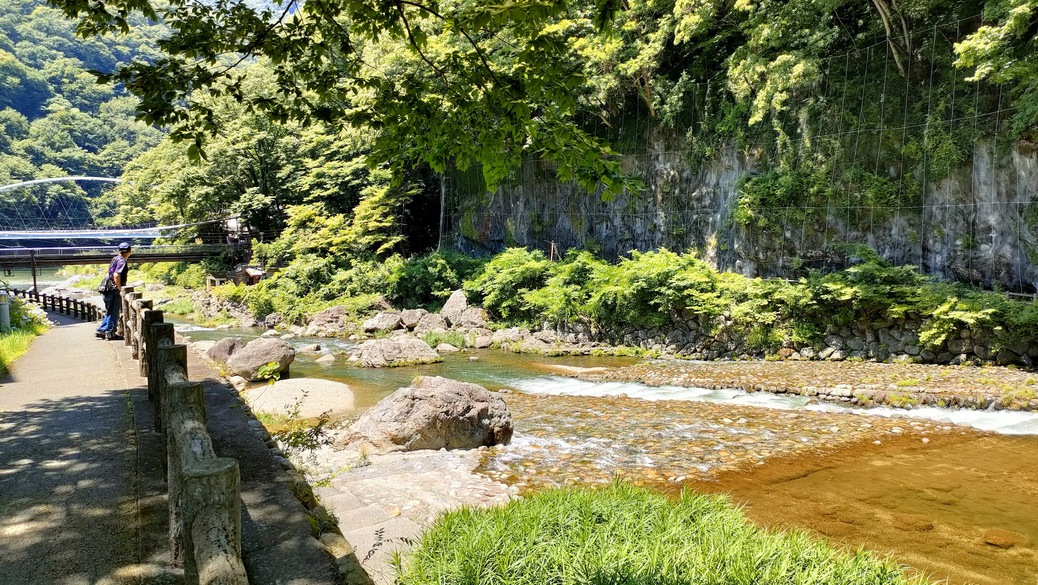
{"x": 270, "y": 372}
{"x": 504, "y": 281}
{"x": 427, "y": 280}
{"x": 627, "y": 535}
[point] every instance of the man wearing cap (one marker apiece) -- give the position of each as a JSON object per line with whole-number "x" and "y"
{"x": 117, "y": 271}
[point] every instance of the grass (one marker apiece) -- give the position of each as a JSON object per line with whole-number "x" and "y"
{"x": 13, "y": 345}
{"x": 455, "y": 338}
{"x": 624, "y": 535}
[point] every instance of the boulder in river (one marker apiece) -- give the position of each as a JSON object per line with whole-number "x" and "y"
{"x": 301, "y": 397}
{"x": 411, "y": 317}
{"x": 430, "y": 322}
{"x": 382, "y": 322}
{"x": 247, "y": 361}
{"x": 433, "y": 413}
{"x": 454, "y": 308}
{"x": 401, "y": 350}
{"x": 224, "y": 349}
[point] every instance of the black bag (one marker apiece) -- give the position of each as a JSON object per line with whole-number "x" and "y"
{"x": 107, "y": 286}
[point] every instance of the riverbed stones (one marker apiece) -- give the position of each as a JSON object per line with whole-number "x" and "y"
{"x": 454, "y": 308}
{"x": 473, "y": 318}
{"x": 382, "y": 322}
{"x": 400, "y": 350}
{"x": 433, "y": 413}
{"x": 247, "y": 361}
{"x": 302, "y": 398}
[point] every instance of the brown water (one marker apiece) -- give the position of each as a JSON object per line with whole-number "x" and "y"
{"x": 962, "y": 508}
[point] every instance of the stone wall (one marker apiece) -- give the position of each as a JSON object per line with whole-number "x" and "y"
{"x": 892, "y": 340}
{"x": 979, "y": 224}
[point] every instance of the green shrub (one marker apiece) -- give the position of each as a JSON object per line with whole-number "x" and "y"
{"x": 455, "y": 338}
{"x": 505, "y": 279}
{"x": 193, "y": 276}
{"x": 427, "y": 280}
{"x": 630, "y": 536}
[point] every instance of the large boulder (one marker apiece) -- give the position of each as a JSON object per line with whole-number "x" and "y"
{"x": 224, "y": 349}
{"x": 247, "y": 361}
{"x": 301, "y": 397}
{"x": 410, "y": 317}
{"x": 430, "y": 322}
{"x": 401, "y": 350}
{"x": 433, "y": 413}
{"x": 382, "y": 322}
{"x": 472, "y": 318}
{"x": 454, "y": 308}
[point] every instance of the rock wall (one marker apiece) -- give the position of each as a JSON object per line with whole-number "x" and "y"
{"x": 979, "y": 224}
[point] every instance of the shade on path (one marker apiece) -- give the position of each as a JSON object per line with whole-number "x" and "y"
{"x": 76, "y": 497}
{"x": 82, "y": 495}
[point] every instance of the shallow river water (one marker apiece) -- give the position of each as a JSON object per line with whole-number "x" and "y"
{"x": 953, "y": 501}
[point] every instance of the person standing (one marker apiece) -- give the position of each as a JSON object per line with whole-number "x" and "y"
{"x": 117, "y": 271}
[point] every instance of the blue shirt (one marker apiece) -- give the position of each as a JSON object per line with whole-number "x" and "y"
{"x": 118, "y": 266}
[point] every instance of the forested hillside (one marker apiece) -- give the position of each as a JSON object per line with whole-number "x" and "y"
{"x": 56, "y": 120}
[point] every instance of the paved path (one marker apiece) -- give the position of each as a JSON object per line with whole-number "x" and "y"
{"x": 70, "y": 473}
{"x": 82, "y": 499}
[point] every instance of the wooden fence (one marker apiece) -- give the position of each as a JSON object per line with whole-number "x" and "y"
{"x": 58, "y": 304}
{"x": 204, "y": 490}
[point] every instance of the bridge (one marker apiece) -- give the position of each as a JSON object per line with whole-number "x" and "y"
{"x": 77, "y": 255}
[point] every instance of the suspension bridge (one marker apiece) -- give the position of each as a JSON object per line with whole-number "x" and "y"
{"x": 85, "y": 244}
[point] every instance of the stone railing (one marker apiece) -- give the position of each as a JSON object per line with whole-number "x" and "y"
{"x": 58, "y": 304}
{"x": 204, "y": 490}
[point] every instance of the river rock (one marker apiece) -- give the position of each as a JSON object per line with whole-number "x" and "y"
{"x": 430, "y": 322}
{"x": 454, "y": 308}
{"x": 433, "y": 413}
{"x": 473, "y": 318}
{"x": 222, "y": 351}
{"x": 329, "y": 321}
{"x": 302, "y": 398}
{"x": 246, "y": 361}
{"x": 410, "y": 317}
{"x": 382, "y": 322}
{"x": 395, "y": 351}
{"x": 512, "y": 334}
{"x": 446, "y": 348}
{"x": 326, "y": 359}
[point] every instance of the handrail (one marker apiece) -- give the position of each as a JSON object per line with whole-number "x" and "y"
{"x": 204, "y": 490}
{"x": 76, "y": 308}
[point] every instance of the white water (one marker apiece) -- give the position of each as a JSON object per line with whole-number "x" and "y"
{"x": 1008, "y": 422}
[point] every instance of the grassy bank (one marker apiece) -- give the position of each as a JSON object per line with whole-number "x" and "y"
{"x": 14, "y": 344}
{"x": 630, "y": 536}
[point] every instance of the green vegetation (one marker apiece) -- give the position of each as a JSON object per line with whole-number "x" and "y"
{"x": 455, "y": 338}
{"x": 27, "y": 321}
{"x": 55, "y": 120}
{"x": 656, "y": 289}
{"x": 627, "y": 535}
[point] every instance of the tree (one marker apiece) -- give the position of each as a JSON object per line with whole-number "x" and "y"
{"x": 476, "y": 82}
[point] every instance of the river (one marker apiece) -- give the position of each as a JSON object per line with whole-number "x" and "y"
{"x": 936, "y": 490}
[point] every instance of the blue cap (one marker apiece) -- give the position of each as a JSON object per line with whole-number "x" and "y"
{"x": 124, "y": 247}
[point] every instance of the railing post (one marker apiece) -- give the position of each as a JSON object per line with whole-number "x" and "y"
{"x": 211, "y": 512}
{"x": 161, "y": 335}
{"x": 185, "y": 408}
{"x": 120, "y": 327}
{"x": 143, "y": 307}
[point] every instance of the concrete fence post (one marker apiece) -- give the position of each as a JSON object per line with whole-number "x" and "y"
{"x": 136, "y": 343}
{"x": 129, "y": 316}
{"x": 161, "y": 336}
{"x": 186, "y": 442}
{"x": 211, "y": 512}
{"x": 120, "y": 328}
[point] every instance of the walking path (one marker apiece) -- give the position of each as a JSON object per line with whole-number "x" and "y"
{"x": 82, "y": 498}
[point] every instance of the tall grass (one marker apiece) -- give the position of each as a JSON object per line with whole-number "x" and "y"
{"x": 629, "y": 536}
{"x": 13, "y": 345}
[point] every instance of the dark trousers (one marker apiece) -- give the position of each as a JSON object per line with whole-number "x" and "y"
{"x": 113, "y": 304}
